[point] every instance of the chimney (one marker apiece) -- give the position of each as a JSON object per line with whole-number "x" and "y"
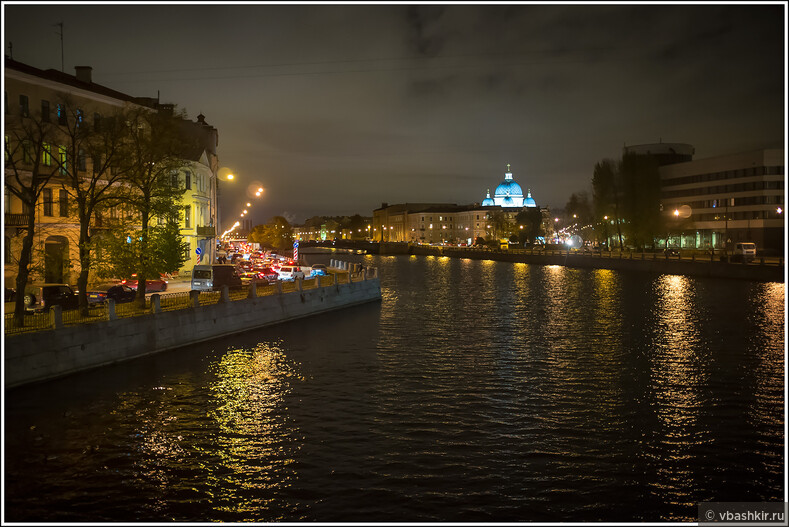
{"x": 84, "y": 73}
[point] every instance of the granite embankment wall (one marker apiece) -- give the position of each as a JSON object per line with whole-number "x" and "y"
{"x": 35, "y": 357}
{"x": 660, "y": 265}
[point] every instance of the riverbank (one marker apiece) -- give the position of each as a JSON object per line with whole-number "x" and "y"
{"x": 44, "y": 355}
{"x": 642, "y": 262}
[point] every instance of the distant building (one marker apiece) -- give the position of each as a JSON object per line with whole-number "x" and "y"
{"x": 451, "y": 223}
{"x": 729, "y": 198}
{"x": 509, "y": 194}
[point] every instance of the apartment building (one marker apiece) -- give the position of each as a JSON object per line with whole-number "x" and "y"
{"x": 43, "y": 96}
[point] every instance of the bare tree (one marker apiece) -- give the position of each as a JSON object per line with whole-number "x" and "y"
{"x": 89, "y": 161}
{"x": 29, "y": 169}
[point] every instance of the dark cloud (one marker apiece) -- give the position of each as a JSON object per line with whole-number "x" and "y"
{"x": 337, "y": 108}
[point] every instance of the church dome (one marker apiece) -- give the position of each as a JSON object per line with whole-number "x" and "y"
{"x": 508, "y": 188}
{"x": 529, "y": 201}
{"x": 488, "y": 202}
{"x": 508, "y": 193}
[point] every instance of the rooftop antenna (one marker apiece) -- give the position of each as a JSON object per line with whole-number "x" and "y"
{"x": 62, "y": 68}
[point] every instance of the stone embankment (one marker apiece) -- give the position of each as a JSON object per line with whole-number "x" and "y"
{"x": 43, "y": 355}
{"x": 641, "y": 262}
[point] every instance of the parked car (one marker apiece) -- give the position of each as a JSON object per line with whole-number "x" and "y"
{"x": 151, "y": 286}
{"x": 319, "y": 270}
{"x": 671, "y": 251}
{"x": 120, "y": 293}
{"x": 43, "y": 297}
{"x": 290, "y": 272}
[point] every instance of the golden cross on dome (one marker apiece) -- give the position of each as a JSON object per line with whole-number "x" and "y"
{"x": 508, "y": 167}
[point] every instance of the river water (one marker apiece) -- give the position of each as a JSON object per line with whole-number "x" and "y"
{"x": 474, "y": 391}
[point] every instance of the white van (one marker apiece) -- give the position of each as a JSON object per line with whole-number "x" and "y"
{"x": 203, "y": 278}
{"x": 744, "y": 251}
{"x": 290, "y": 272}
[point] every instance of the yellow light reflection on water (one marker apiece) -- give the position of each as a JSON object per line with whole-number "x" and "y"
{"x": 678, "y": 375}
{"x": 254, "y": 426}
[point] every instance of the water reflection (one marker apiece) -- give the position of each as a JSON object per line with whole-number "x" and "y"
{"x": 254, "y": 443}
{"x": 679, "y": 373}
{"x": 477, "y": 391}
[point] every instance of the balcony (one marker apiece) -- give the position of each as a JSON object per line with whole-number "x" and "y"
{"x": 15, "y": 220}
{"x": 206, "y": 231}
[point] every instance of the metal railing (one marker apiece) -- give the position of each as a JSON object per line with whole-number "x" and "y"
{"x": 169, "y": 302}
{"x": 685, "y": 255}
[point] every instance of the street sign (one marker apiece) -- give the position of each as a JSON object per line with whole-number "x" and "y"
{"x": 198, "y": 251}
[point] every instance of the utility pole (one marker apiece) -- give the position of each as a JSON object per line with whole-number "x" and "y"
{"x": 62, "y": 67}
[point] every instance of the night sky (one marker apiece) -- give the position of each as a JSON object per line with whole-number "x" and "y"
{"x": 334, "y": 109}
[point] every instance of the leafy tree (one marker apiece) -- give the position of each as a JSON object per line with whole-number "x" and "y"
{"x": 500, "y": 224}
{"x": 151, "y": 162}
{"x": 607, "y": 193}
{"x": 578, "y": 214}
{"x": 531, "y": 219}
{"x": 29, "y": 168}
{"x": 641, "y": 198}
{"x": 119, "y": 251}
{"x": 358, "y": 227}
{"x": 276, "y": 234}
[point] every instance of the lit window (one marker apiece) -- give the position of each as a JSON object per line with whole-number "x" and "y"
{"x": 62, "y": 115}
{"x": 62, "y": 160}
{"x": 46, "y": 154}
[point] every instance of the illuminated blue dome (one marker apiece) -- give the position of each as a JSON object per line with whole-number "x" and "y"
{"x": 529, "y": 201}
{"x": 508, "y": 193}
{"x": 488, "y": 202}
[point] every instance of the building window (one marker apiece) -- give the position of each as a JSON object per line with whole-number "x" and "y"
{"x": 46, "y": 154}
{"x": 188, "y": 217}
{"x": 24, "y": 109}
{"x": 82, "y": 161}
{"x": 62, "y": 160}
{"x": 27, "y": 152}
{"x": 7, "y": 250}
{"x": 45, "y": 111}
{"x": 63, "y": 203}
{"x": 47, "y": 194}
{"x": 96, "y": 122}
{"x": 174, "y": 181}
{"x": 188, "y": 180}
{"x": 79, "y": 117}
{"x": 62, "y": 115}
